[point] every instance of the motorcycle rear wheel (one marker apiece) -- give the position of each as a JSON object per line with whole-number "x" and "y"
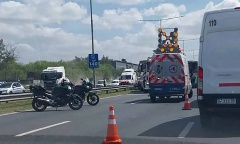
{"x": 38, "y": 105}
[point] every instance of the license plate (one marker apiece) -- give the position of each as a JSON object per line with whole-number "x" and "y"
{"x": 226, "y": 101}
{"x": 158, "y": 88}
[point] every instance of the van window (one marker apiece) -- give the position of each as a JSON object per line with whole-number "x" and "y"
{"x": 167, "y": 68}
{"x": 125, "y": 77}
{"x": 221, "y": 49}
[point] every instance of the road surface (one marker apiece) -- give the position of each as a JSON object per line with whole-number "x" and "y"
{"x": 138, "y": 120}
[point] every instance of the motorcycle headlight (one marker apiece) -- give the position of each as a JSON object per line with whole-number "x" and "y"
{"x": 69, "y": 88}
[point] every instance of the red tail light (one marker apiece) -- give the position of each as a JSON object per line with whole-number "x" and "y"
{"x": 200, "y": 81}
{"x": 200, "y": 72}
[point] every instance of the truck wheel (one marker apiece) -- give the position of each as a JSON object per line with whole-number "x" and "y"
{"x": 190, "y": 94}
{"x": 153, "y": 98}
{"x": 205, "y": 118}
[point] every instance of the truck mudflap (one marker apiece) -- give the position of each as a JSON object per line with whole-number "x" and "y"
{"x": 166, "y": 89}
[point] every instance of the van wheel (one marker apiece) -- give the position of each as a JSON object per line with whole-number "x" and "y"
{"x": 205, "y": 118}
{"x": 153, "y": 98}
{"x": 190, "y": 94}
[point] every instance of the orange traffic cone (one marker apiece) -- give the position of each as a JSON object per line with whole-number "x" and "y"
{"x": 112, "y": 131}
{"x": 186, "y": 103}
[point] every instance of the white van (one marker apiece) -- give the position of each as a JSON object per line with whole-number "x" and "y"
{"x": 169, "y": 76}
{"x": 128, "y": 77}
{"x": 219, "y": 68}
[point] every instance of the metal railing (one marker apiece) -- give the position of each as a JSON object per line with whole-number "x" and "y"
{"x": 25, "y": 96}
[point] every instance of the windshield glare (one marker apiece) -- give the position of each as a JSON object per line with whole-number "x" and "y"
{"x": 126, "y": 77}
{"x": 100, "y": 82}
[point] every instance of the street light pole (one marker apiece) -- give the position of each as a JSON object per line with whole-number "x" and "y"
{"x": 92, "y": 41}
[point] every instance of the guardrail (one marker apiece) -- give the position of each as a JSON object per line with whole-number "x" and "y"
{"x": 24, "y": 96}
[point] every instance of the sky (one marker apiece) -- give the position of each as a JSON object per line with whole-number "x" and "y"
{"x": 61, "y": 29}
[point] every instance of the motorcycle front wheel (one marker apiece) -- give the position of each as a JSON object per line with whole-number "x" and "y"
{"x": 38, "y": 105}
{"x": 76, "y": 103}
{"x": 93, "y": 99}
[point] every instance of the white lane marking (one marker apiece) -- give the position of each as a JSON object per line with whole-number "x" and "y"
{"x": 43, "y": 128}
{"x": 112, "y": 96}
{"x": 8, "y": 114}
{"x": 186, "y": 130}
{"x": 132, "y": 103}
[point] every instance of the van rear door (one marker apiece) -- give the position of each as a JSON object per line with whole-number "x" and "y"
{"x": 220, "y": 53}
{"x": 166, "y": 73}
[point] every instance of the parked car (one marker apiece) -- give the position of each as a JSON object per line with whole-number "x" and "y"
{"x": 11, "y": 87}
{"x": 114, "y": 83}
{"x": 2, "y": 82}
{"x": 100, "y": 83}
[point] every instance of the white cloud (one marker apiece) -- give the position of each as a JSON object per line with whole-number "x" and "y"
{"x": 40, "y": 11}
{"x": 165, "y": 9}
{"x": 124, "y": 2}
{"x": 113, "y": 19}
{"x": 138, "y": 46}
{"x": 45, "y": 43}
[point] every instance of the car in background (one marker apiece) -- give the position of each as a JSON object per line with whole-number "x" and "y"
{"x": 100, "y": 83}
{"x": 114, "y": 83}
{"x": 11, "y": 87}
{"x": 2, "y": 82}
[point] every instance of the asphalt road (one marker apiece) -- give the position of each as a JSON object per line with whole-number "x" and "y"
{"x": 138, "y": 120}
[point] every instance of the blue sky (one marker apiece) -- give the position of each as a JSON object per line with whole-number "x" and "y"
{"x": 60, "y": 29}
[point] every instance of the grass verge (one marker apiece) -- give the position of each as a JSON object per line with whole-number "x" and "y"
{"x": 21, "y": 105}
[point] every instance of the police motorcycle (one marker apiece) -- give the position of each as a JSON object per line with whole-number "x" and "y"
{"x": 60, "y": 96}
{"x": 84, "y": 90}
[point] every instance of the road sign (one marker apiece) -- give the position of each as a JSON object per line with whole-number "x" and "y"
{"x": 93, "y": 61}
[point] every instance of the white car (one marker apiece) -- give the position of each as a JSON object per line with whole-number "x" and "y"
{"x": 11, "y": 87}
{"x": 100, "y": 83}
{"x": 114, "y": 83}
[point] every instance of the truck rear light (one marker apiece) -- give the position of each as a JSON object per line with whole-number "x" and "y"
{"x": 200, "y": 81}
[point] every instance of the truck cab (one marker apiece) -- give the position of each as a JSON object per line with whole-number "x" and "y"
{"x": 143, "y": 69}
{"x": 52, "y": 76}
